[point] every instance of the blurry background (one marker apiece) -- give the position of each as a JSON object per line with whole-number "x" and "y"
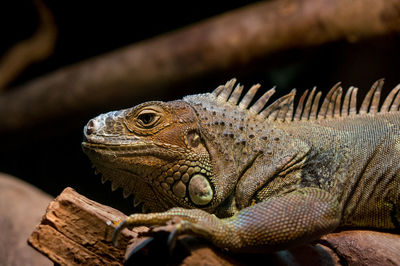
{"x": 47, "y": 153}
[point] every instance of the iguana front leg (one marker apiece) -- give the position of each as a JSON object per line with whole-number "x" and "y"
{"x": 277, "y": 223}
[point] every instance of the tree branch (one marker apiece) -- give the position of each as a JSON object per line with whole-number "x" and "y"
{"x": 36, "y": 48}
{"x": 233, "y": 38}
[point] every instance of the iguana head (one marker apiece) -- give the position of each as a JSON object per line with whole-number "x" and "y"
{"x": 187, "y": 153}
{"x": 158, "y": 152}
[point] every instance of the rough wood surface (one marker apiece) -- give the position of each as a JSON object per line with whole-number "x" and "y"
{"x": 215, "y": 45}
{"x": 74, "y": 231}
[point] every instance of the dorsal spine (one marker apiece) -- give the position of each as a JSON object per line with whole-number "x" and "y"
{"x": 333, "y": 105}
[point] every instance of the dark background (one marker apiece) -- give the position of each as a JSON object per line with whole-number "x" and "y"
{"x": 49, "y": 156}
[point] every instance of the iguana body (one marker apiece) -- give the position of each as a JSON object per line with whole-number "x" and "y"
{"x": 272, "y": 176}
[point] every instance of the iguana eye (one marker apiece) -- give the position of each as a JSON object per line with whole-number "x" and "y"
{"x": 148, "y": 118}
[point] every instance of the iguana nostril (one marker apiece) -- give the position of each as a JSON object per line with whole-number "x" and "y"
{"x": 90, "y": 127}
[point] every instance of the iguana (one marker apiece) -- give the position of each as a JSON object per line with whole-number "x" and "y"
{"x": 258, "y": 178}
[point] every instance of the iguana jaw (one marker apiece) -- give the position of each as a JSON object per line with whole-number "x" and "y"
{"x": 125, "y": 167}
{"x": 165, "y": 168}
{"x": 126, "y": 178}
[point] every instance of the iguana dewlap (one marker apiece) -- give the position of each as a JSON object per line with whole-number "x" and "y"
{"x": 256, "y": 178}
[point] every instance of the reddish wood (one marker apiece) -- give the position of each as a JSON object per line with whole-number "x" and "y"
{"x": 74, "y": 231}
{"x": 366, "y": 247}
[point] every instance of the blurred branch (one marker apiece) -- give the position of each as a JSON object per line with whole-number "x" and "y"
{"x": 233, "y": 38}
{"x": 34, "y": 49}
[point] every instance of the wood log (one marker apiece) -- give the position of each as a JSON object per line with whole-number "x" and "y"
{"x": 76, "y": 231}
{"x": 128, "y": 75}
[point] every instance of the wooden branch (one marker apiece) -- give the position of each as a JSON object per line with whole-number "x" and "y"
{"x": 74, "y": 231}
{"x": 233, "y": 38}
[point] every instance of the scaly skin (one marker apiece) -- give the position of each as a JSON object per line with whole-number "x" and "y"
{"x": 255, "y": 179}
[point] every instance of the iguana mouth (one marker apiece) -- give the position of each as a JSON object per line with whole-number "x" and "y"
{"x": 159, "y": 150}
{"x": 116, "y": 147}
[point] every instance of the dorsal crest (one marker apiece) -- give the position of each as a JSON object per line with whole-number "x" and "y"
{"x": 308, "y": 107}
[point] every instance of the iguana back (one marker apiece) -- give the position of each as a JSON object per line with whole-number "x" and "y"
{"x": 358, "y": 160}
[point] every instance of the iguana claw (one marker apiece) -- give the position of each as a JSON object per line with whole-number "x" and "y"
{"x": 187, "y": 223}
{"x": 117, "y": 231}
{"x": 180, "y": 228}
{"x": 173, "y": 236}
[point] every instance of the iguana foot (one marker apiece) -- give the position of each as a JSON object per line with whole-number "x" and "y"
{"x": 185, "y": 221}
